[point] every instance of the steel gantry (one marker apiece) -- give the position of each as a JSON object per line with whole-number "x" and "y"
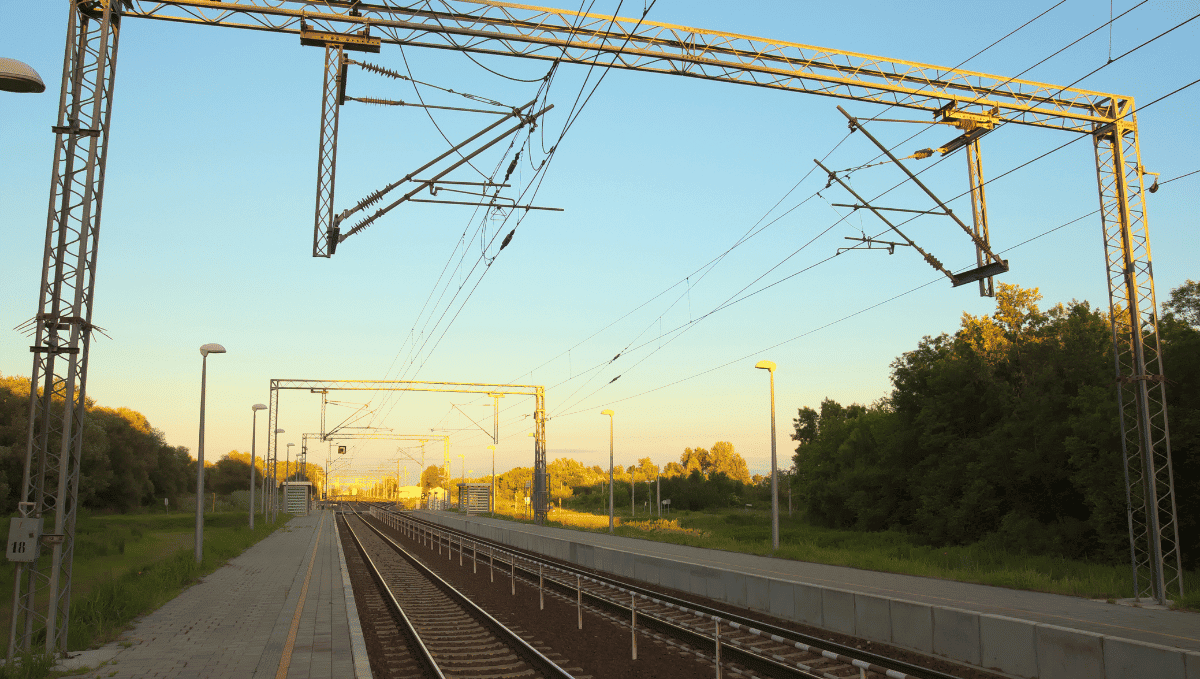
{"x": 540, "y": 494}
{"x": 63, "y": 321}
{"x": 386, "y": 436}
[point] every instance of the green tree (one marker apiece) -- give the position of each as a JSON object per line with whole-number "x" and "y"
{"x": 433, "y": 477}
{"x": 723, "y": 460}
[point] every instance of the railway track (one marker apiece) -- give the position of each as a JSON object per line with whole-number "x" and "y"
{"x": 747, "y": 647}
{"x": 436, "y": 630}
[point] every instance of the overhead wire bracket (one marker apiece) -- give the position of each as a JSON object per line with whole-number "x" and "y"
{"x": 524, "y": 119}
{"x": 976, "y": 125}
{"x": 930, "y": 259}
{"x": 888, "y": 245}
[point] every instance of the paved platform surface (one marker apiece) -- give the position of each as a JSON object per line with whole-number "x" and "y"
{"x": 1165, "y": 627}
{"x": 277, "y": 610}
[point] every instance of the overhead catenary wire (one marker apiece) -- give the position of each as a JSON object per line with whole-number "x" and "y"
{"x": 703, "y": 270}
{"x": 573, "y": 115}
{"x": 736, "y": 300}
{"x": 1035, "y": 159}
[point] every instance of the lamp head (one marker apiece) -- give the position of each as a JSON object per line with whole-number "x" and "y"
{"x": 765, "y": 365}
{"x": 606, "y": 412}
{"x": 211, "y": 348}
{"x": 279, "y": 431}
{"x": 16, "y": 76}
{"x": 291, "y": 444}
{"x": 258, "y": 406}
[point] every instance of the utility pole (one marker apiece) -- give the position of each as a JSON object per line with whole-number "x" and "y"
{"x": 495, "y": 442}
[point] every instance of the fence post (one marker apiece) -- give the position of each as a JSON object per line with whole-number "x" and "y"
{"x": 718, "y": 640}
{"x": 633, "y": 622}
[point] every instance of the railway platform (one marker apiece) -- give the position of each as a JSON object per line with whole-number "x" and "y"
{"x": 1023, "y": 633}
{"x": 283, "y": 609}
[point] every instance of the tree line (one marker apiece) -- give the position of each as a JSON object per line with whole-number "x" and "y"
{"x": 1005, "y": 431}
{"x": 125, "y": 462}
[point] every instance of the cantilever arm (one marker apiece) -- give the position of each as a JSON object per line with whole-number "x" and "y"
{"x": 933, "y": 261}
{"x": 979, "y": 242}
{"x": 429, "y": 182}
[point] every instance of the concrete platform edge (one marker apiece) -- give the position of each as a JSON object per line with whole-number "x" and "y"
{"x": 1031, "y": 650}
{"x": 358, "y": 645}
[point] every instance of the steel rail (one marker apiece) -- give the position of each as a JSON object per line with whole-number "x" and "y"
{"x": 527, "y": 652}
{"x": 895, "y": 669}
{"x": 410, "y": 631}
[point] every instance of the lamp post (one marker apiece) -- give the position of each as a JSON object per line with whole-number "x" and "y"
{"x": 287, "y": 463}
{"x": 253, "y": 431}
{"x": 610, "y": 468}
{"x": 770, "y": 368}
{"x": 205, "y": 350}
{"x": 495, "y": 442}
{"x": 274, "y": 462}
{"x": 462, "y": 468}
{"x": 492, "y": 492}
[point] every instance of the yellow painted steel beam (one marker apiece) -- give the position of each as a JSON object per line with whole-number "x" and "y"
{"x": 528, "y": 31}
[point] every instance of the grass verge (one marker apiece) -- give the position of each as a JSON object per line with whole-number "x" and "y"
{"x": 890, "y": 551}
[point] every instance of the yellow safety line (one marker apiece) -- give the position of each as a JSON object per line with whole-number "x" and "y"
{"x": 286, "y": 660}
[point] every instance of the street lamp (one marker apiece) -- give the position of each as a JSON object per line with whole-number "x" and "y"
{"x": 287, "y": 463}
{"x": 16, "y": 76}
{"x": 770, "y": 367}
{"x": 492, "y": 492}
{"x": 253, "y": 429}
{"x": 204, "y": 352}
{"x": 462, "y": 468}
{"x": 610, "y": 468}
{"x": 274, "y": 471}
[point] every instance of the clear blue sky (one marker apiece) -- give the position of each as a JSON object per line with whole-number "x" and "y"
{"x": 208, "y": 214}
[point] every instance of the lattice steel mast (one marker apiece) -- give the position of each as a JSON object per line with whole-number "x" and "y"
{"x": 63, "y": 320}
{"x": 63, "y": 324}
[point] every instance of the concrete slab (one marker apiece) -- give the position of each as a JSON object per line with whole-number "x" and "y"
{"x": 698, "y": 578}
{"x": 873, "y": 618}
{"x": 1008, "y": 645}
{"x": 1191, "y": 661}
{"x": 782, "y": 597}
{"x": 1069, "y": 654}
{"x": 809, "y": 604}
{"x": 758, "y": 593}
{"x": 956, "y": 634}
{"x": 1127, "y": 660}
{"x": 912, "y": 625}
{"x": 837, "y": 610}
{"x": 734, "y": 585}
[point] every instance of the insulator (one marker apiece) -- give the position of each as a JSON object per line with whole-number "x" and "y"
{"x": 511, "y": 166}
{"x": 507, "y": 239}
{"x": 381, "y": 70}
{"x": 371, "y": 199}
